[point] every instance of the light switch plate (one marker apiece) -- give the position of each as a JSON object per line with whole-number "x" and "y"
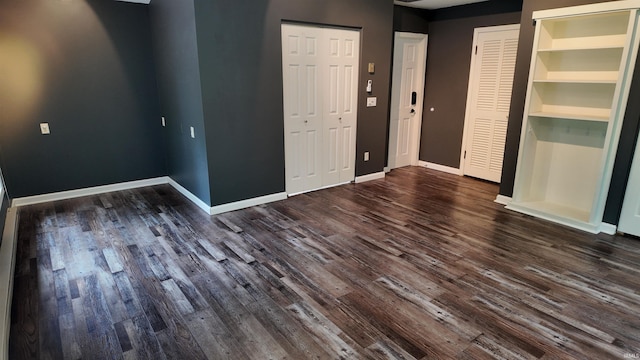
{"x": 372, "y": 101}
{"x": 44, "y": 128}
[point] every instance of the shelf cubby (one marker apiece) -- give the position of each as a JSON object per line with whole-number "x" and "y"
{"x": 591, "y": 31}
{"x": 571, "y": 99}
{"x": 562, "y": 164}
{"x": 600, "y": 65}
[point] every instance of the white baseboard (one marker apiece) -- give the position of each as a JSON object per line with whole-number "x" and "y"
{"x": 503, "y": 200}
{"x": 63, "y": 195}
{"x": 7, "y": 267}
{"x": 369, "y": 177}
{"x": 438, "y": 167}
{"x": 219, "y": 209}
{"x": 608, "y": 228}
{"x": 189, "y": 195}
{"x": 95, "y": 190}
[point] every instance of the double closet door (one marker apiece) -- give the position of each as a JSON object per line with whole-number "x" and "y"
{"x": 320, "y": 77}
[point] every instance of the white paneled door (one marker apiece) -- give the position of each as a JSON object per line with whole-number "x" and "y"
{"x": 630, "y": 217}
{"x": 302, "y": 107}
{"x": 320, "y": 77}
{"x": 407, "y": 93}
{"x": 489, "y": 99}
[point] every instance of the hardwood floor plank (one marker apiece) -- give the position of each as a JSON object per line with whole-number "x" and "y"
{"x": 244, "y": 327}
{"x": 123, "y": 336}
{"x": 239, "y": 251}
{"x": 177, "y": 296}
{"x": 386, "y": 350}
{"x": 112, "y": 260}
{"x": 323, "y": 331}
{"x": 143, "y": 338}
{"x": 418, "y": 265}
{"x": 213, "y": 250}
{"x": 213, "y": 337}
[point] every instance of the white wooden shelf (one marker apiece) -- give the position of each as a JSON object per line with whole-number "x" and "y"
{"x": 595, "y": 46}
{"x": 587, "y": 43}
{"x": 570, "y": 116}
{"x": 570, "y": 99}
{"x": 591, "y": 31}
{"x": 573, "y": 112}
{"x": 554, "y": 209}
{"x": 584, "y": 65}
{"x": 582, "y": 82}
{"x": 574, "y": 218}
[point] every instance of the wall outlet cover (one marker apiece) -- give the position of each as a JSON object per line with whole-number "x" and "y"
{"x": 44, "y": 128}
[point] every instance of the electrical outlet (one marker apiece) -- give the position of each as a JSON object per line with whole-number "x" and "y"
{"x": 164, "y": 123}
{"x": 193, "y": 133}
{"x": 44, "y": 128}
{"x": 372, "y": 101}
{"x": 366, "y": 156}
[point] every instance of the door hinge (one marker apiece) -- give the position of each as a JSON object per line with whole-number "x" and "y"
{"x": 476, "y": 49}
{"x": 465, "y": 154}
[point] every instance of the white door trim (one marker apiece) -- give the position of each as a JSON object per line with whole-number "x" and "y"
{"x": 416, "y": 131}
{"x": 472, "y": 78}
{"x": 628, "y": 222}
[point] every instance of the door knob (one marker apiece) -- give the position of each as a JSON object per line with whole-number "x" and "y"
{"x": 413, "y": 111}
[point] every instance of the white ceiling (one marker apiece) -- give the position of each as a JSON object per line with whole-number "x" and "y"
{"x": 424, "y": 4}
{"x": 436, "y": 4}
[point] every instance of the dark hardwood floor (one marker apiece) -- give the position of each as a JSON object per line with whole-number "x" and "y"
{"x": 419, "y": 265}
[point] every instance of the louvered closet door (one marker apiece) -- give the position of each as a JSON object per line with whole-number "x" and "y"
{"x": 490, "y": 91}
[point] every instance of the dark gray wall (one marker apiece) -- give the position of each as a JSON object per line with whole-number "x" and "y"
{"x": 86, "y": 68}
{"x": 176, "y": 56}
{"x": 5, "y": 201}
{"x": 241, "y": 72}
{"x": 407, "y": 19}
{"x": 625, "y": 153}
{"x": 448, "y": 63}
{"x": 630, "y": 125}
{"x": 3, "y": 212}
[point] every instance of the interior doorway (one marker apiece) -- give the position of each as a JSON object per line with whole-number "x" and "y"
{"x": 407, "y": 94}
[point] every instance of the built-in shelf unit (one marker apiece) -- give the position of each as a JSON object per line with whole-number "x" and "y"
{"x": 581, "y": 68}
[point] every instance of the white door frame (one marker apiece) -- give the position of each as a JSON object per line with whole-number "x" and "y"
{"x": 628, "y": 222}
{"x": 396, "y": 86}
{"x": 472, "y": 78}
